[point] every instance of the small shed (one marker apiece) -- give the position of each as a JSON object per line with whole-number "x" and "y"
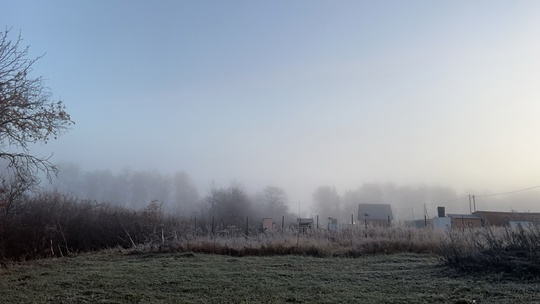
{"x": 375, "y": 214}
{"x": 332, "y": 224}
{"x": 304, "y": 223}
{"x": 268, "y": 223}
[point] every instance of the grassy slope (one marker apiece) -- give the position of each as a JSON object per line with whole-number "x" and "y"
{"x": 172, "y": 278}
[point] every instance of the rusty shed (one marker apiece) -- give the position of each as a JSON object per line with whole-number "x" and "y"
{"x": 465, "y": 220}
{"x": 496, "y": 218}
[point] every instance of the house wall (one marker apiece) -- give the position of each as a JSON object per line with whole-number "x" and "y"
{"x": 442, "y": 222}
{"x": 504, "y": 218}
{"x": 466, "y": 222}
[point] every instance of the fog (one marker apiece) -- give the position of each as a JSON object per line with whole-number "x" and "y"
{"x": 178, "y": 194}
{"x": 416, "y": 103}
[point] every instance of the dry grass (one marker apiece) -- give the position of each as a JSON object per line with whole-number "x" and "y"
{"x": 55, "y": 225}
{"x": 495, "y": 249}
{"x": 319, "y": 243}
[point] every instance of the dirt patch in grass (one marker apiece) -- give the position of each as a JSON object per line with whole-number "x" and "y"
{"x": 112, "y": 277}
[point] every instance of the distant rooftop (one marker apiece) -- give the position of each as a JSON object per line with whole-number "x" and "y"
{"x": 465, "y": 216}
{"x": 375, "y": 211}
{"x": 505, "y": 212}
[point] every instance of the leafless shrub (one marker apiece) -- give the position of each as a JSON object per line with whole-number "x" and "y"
{"x": 54, "y": 224}
{"x": 515, "y": 251}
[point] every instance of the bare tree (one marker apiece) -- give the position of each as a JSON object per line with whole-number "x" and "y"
{"x": 230, "y": 206}
{"x": 276, "y": 200}
{"x": 28, "y": 115}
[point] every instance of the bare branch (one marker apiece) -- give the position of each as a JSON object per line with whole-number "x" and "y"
{"x": 28, "y": 115}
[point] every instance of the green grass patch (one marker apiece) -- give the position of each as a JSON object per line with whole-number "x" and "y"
{"x": 114, "y": 277}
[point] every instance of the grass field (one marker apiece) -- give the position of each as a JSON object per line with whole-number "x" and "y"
{"x": 114, "y": 277}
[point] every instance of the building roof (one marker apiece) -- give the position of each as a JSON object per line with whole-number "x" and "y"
{"x": 498, "y": 218}
{"x": 375, "y": 211}
{"x": 304, "y": 220}
{"x": 479, "y": 212}
{"x": 465, "y": 216}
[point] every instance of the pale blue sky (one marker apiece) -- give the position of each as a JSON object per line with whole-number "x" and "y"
{"x": 295, "y": 94}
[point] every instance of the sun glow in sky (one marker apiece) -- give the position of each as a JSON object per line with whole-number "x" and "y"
{"x": 295, "y": 94}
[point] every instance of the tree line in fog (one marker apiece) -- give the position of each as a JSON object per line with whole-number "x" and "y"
{"x": 178, "y": 195}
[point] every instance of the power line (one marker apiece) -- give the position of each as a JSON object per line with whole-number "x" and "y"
{"x": 509, "y": 192}
{"x": 473, "y": 196}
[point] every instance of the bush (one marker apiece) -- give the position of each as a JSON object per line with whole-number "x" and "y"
{"x": 54, "y": 224}
{"x": 514, "y": 251}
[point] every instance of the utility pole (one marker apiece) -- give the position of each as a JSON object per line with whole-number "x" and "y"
{"x": 425, "y": 215}
{"x": 474, "y": 202}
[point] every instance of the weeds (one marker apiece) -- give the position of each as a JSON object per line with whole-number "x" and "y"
{"x": 53, "y": 224}
{"x": 495, "y": 249}
{"x": 56, "y": 225}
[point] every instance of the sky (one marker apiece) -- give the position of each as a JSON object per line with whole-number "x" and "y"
{"x": 295, "y": 94}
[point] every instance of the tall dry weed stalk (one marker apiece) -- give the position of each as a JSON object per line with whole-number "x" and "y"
{"x": 494, "y": 249}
